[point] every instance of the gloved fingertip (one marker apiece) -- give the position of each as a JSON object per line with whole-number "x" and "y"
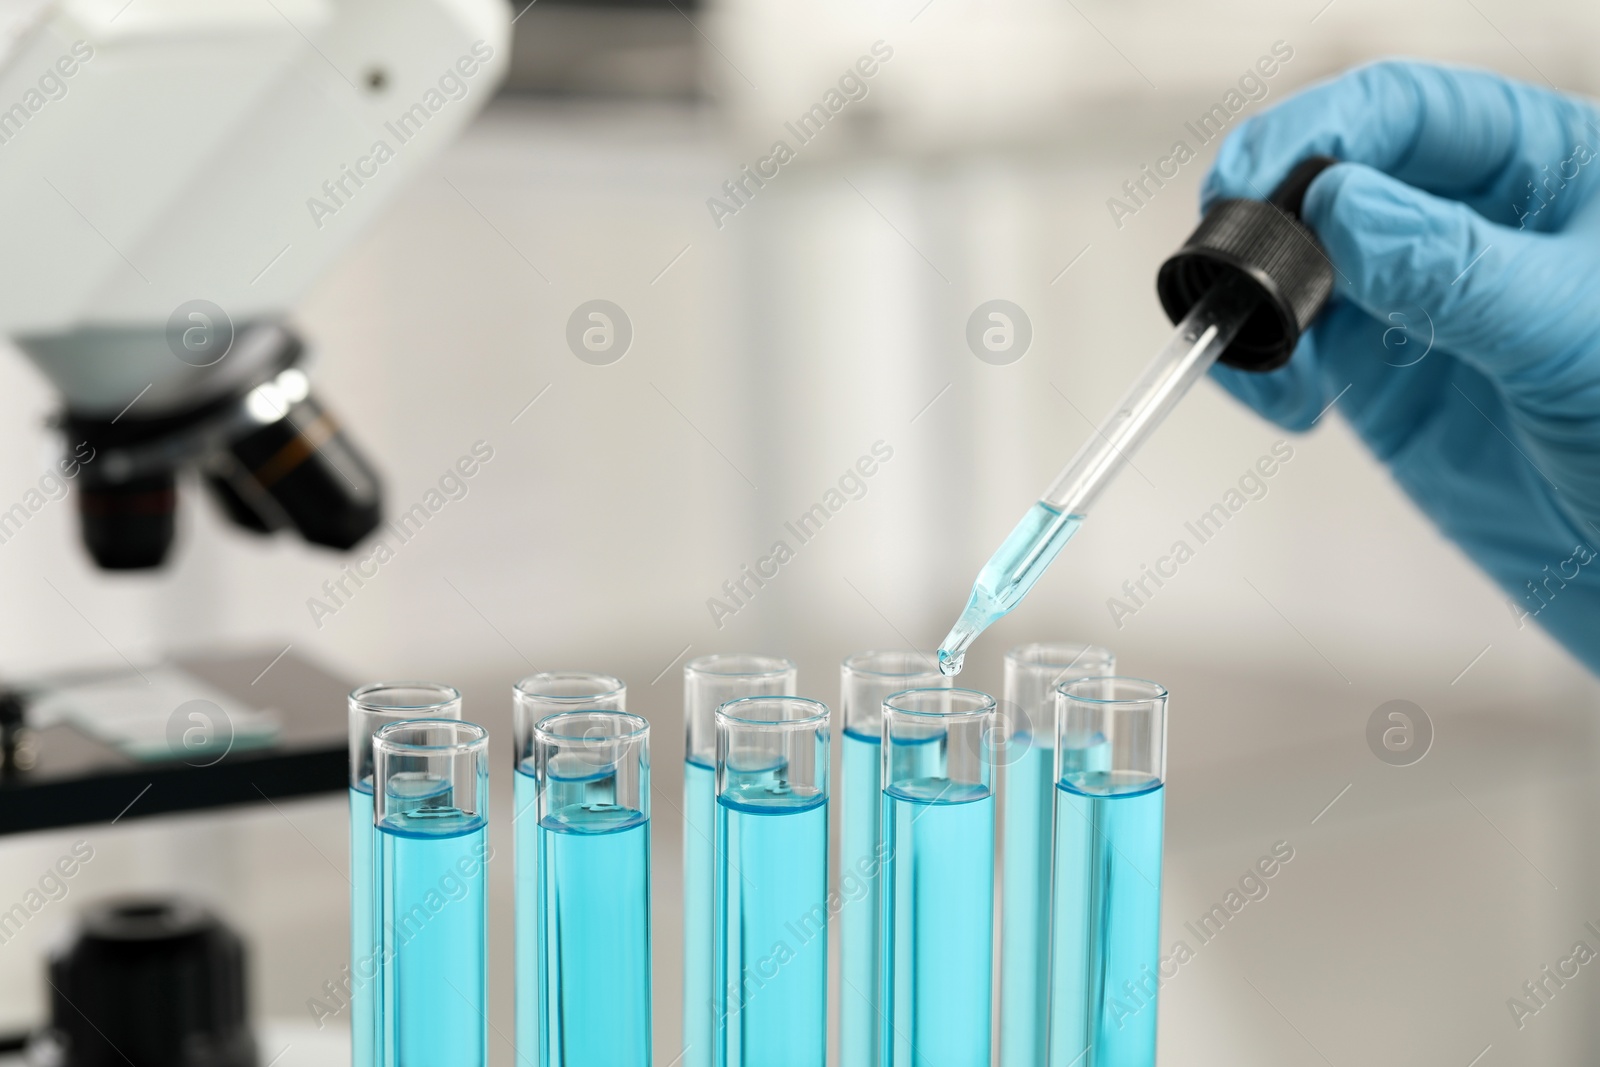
{"x": 1230, "y": 173}
{"x": 1387, "y": 240}
{"x": 1326, "y": 190}
{"x": 1289, "y": 396}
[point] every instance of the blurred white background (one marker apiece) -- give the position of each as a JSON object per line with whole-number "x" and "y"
{"x": 770, "y": 353}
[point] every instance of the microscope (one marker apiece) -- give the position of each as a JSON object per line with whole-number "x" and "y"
{"x": 177, "y": 173}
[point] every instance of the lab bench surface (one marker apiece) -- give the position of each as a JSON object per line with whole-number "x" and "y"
{"x": 76, "y": 778}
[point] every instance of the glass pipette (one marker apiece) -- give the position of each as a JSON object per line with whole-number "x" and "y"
{"x": 1049, "y": 524}
{"x": 1250, "y": 273}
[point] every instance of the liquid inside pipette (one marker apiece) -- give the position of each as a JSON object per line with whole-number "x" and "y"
{"x": 1007, "y": 577}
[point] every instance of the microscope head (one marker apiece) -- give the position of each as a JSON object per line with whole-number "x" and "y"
{"x": 180, "y": 175}
{"x": 267, "y": 451}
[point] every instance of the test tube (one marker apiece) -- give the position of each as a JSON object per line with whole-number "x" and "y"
{"x": 534, "y": 697}
{"x": 709, "y": 682}
{"x": 938, "y": 877}
{"x": 865, "y": 679}
{"x": 371, "y": 707}
{"x": 1111, "y": 750}
{"x": 1032, "y": 673}
{"x": 431, "y": 810}
{"x": 594, "y": 888}
{"x": 772, "y": 883}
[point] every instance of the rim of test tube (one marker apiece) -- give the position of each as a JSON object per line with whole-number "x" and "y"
{"x": 740, "y": 665}
{"x": 1146, "y": 690}
{"x": 365, "y": 697}
{"x": 388, "y": 737}
{"x": 376, "y": 704}
{"x": 979, "y": 703}
{"x": 915, "y": 662}
{"x": 744, "y": 712}
{"x": 1055, "y": 654}
{"x": 604, "y": 685}
{"x": 638, "y": 725}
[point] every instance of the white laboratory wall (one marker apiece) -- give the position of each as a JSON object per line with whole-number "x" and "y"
{"x": 968, "y": 71}
{"x": 772, "y": 353}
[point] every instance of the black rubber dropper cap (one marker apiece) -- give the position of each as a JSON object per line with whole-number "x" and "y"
{"x": 1265, "y": 243}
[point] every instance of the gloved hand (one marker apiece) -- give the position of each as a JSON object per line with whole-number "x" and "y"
{"x": 1467, "y": 212}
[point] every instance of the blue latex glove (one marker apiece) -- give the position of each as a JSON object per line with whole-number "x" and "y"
{"x": 1468, "y": 210}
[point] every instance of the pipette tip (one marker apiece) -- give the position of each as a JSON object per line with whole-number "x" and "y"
{"x": 950, "y": 662}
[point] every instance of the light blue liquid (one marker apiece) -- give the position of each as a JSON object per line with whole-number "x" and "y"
{"x": 525, "y": 838}
{"x": 432, "y": 911}
{"x": 594, "y": 936}
{"x": 772, "y": 944}
{"x": 699, "y": 910}
{"x": 1025, "y": 911}
{"x": 1008, "y": 576}
{"x": 858, "y": 943}
{"x": 1107, "y": 920}
{"x": 1025, "y": 939}
{"x": 364, "y": 954}
{"x": 938, "y": 920}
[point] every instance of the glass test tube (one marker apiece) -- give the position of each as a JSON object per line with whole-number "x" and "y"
{"x": 1111, "y": 751}
{"x": 594, "y": 888}
{"x": 534, "y": 697}
{"x": 865, "y": 679}
{"x": 709, "y": 682}
{"x": 938, "y": 878}
{"x": 772, "y": 883}
{"x": 1032, "y": 674}
{"x": 371, "y": 707}
{"x": 432, "y": 807}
